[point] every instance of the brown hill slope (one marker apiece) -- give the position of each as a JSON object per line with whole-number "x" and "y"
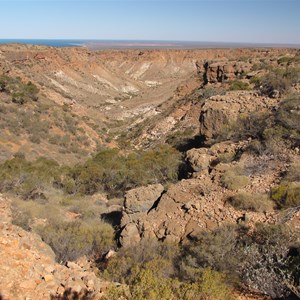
{"x": 90, "y": 98}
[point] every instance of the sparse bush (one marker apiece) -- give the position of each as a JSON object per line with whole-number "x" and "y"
{"x": 19, "y": 91}
{"x": 70, "y": 240}
{"x": 18, "y": 98}
{"x": 180, "y": 137}
{"x": 119, "y": 267}
{"x": 253, "y": 202}
{"x": 279, "y": 80}
{"x": 288, "y": 113}
{"x": 246, "y": 126}
{"x": 31, "y": 91}
{"x": 267, "y": 265}
{"x": 149, "y": 271}
{"x": 284, "y": 60}
{"x": 215, "y": 249}
{"x": 211, "y": 91}
{"x": 147, "y": 283}
{"x": 293, "y": 173}
{"x": 212, "y": 285}
{"x": 234, "y": 179}
{"x": 286, "y": 195}
{"x": 27, "y": 179}
{"x": 239, "y": 85}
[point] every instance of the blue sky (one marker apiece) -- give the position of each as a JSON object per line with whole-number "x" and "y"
{"x": 261, "y": 21}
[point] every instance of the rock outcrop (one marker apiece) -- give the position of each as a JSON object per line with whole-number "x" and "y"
{"x": 138, "y": 202}
{"x": 200, "y": 203}
{"x": 222, "y": 71}
{"x": 222, "y": 110}
{"x": 142, "y": 199}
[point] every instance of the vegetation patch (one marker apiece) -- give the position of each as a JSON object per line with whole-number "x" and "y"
{"x": 20, "y": 92}
{"x": 238, "y": 85}
{"x": 252, "y": 202}
{"x": 286, "y": 195}
{"x": 70, "y": 240}
{"x": 234, "y": 178}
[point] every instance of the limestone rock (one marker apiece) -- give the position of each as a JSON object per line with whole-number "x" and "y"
{"x": 220, "y": 111}
{"x": 142, "y": 199}
{"x": 199, "y": 159}
{"x": 224, "y": 71}
{"x": 130, "y": 235}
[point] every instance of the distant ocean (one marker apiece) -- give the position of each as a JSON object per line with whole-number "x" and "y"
{"x": 134, "y": 44}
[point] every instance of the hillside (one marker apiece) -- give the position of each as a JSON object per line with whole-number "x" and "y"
{"x": 174, "y": 172}
{"x": 89, "y": 99}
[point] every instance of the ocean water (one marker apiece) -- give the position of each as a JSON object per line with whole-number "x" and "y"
{"x": 52, "y": 43}
{"x": 134, "y": 44}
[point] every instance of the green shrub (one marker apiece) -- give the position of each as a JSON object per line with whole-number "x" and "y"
{"x": 119, "y": 267}
{"x": 286, "y": 195}
{"x": 234, "y": 179}
{"x": 31, "y": 91}
{"x": 253, "y": 202}
{"x": 18, "y": 97}
{"x": 20, "y": 92}
{"x": 279, "y": 80}
{"x": 239, "y": 85}
{"x": 288, "y": 113}
{"x": 70, "y": 240}
{"x": 284, "y": 60}
{"x": 212, "y": 286}
{"x": 147, "y": 284}
{"x": 27, "y": 179}
{"x": 114, "y": 173}
{"x": 293, "y": 173}
{"x": 212, "y": 249}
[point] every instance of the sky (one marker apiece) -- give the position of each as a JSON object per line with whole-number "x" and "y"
{"x": 250, "y": 21}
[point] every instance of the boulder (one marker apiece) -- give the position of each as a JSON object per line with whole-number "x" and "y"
{"x": 199, "y": 159}
{"x": 142, "y": 199}
{"x": 130, "y": 235}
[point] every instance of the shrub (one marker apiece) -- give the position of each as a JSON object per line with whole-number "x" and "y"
{"x": 284, "y": 60}
{"x": 119, "y": 267}
{"x": 288, "y": 113}
{"x": 234, "y": 179}
{"x": 286, "y": 195}
{"x": 147, "y": 284}
{"x": 293, "y": 173}
{"x": 114, "y": 173}
{"x": 246, "y": 126}
{"x": 212, "y": 286}
{"x": 279, "y": 80}
{"x": 215, "y": 249}
{"x": 27, "y": 179}
{"x": 266, "y": 264}
{"x": 239, "y": 85}
{"x": 31, "y": 91}
{"x": 18, "y": 97}
{"x": 19, "y": 91}
{"x": 253, "y": 202}
{"x": 70, "y": 240}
